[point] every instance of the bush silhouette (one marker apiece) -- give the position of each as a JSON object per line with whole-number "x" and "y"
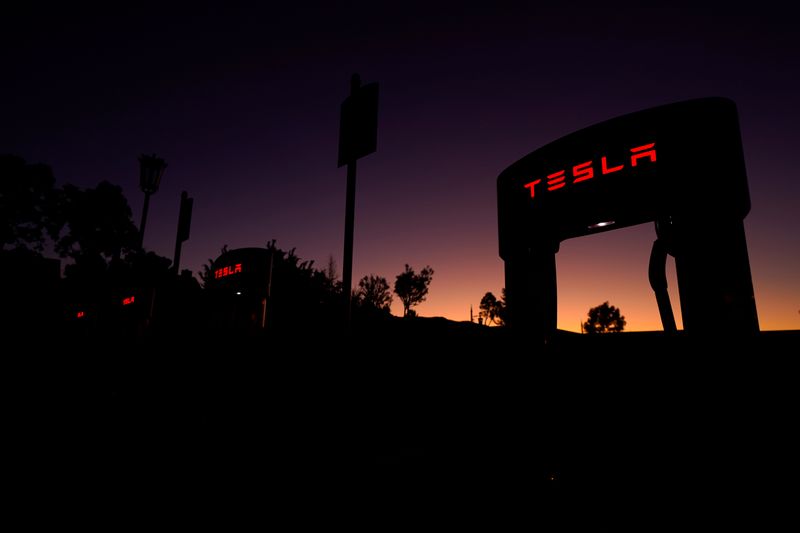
{"x": 604, "y": 319}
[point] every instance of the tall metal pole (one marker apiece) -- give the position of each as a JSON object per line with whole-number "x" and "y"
{"x": 268, "y": 300}
{"x": 184, "y": 225}
{"x": 347, "y": 269}
{"x": 144, "y": 219}
{"x": 176, "y": 261}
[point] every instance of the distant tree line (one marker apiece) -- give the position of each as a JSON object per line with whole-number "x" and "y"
{"x": 93, "y": 229}
{"x": 603, "y": 318}
{"x": 87, "y": 225}
{"x": 411, "y": 288}
{"x": 90, "y": 228}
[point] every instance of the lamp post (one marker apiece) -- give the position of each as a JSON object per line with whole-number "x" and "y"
{"x": 151, "y": 168}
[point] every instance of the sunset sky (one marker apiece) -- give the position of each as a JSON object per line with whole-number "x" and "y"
{"x": 243, "y": 103}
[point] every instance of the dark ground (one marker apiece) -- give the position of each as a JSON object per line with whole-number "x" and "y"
{"x": 409, "y": 417}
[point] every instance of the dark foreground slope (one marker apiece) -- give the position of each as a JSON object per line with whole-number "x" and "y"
{"x": 404, "y": 416}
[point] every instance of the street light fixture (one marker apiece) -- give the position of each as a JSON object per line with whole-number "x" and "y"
{"x": 151, "y": 168}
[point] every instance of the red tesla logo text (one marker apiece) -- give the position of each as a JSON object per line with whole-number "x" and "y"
{"x": 227, "y": 271}
{"x": 586, "y": 171}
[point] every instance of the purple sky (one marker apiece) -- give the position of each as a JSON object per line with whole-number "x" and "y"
{"x": 243, "y": 103}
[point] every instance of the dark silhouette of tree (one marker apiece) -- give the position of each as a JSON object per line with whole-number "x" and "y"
{"x": 330, "y": 270}
{"x": 301, "y": 295}
{"x": 97, "y": 222}
{"x": 332, "y": 276}
{"x": 604, "y": 319}
{"x": 487, "y": 308}
{"x": 412, "y": 288}
{"x": 491, "y": 309}
{"x": 373, "y": 291}
{"x": 97, "y": 232}
{"x": 93, "y": 229}
{"x": 28, "y": 202}
{"x": 90, "y": 226}
{"x": 29, "y": 296}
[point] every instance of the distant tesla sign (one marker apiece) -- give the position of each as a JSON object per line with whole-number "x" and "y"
{"x": 242, "y": 269}
{"x": 227, "y": 270}
{"x": 680, "y": 165}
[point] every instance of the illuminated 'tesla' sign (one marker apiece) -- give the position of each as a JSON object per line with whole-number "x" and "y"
{"x": 679, "y": 165}
{"x": 586, "y": 170}
{"x": 227, "y": 271}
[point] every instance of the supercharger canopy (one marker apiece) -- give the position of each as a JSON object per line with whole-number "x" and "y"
{"x": 678, "y": 160}
{"x": 679, "y": 165}
{"x": 242, "y": 269}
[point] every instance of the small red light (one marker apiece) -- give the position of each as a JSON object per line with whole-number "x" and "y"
{"x": 80, "y": 314}
{"x": 127, "y": 301}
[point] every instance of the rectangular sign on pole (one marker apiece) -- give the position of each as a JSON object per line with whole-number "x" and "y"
{"x": 358, "y": 128}
{"x": 185, "y": 217}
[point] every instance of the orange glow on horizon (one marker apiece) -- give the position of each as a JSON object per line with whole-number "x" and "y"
{"x": 616, "y": 272}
